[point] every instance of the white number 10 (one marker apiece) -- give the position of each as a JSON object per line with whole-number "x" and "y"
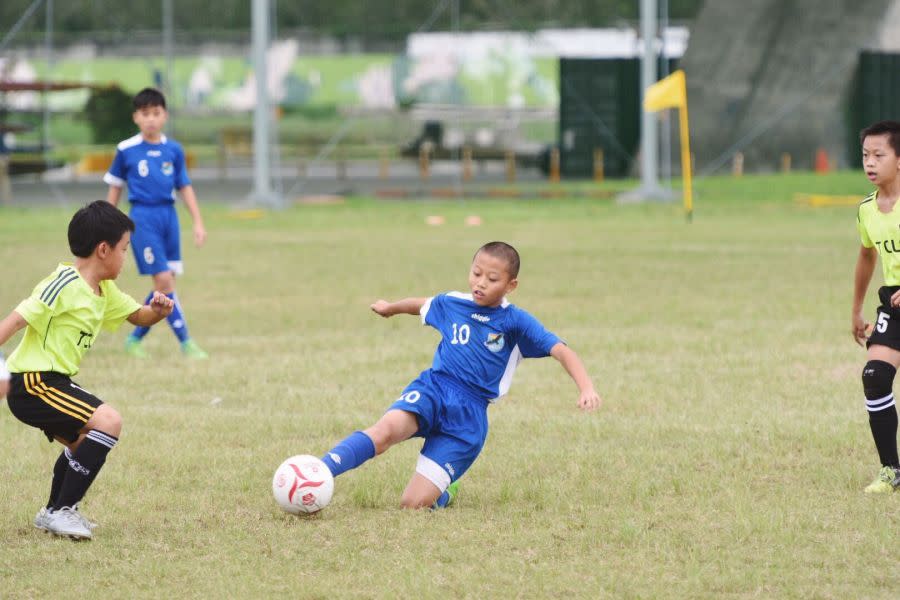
{"x": 460, "y": 334}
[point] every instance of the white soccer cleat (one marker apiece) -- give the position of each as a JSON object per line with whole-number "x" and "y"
{"x": 40, "y": 519}
{"x": 87, "y": 522}
{"x": 67, "y": 522}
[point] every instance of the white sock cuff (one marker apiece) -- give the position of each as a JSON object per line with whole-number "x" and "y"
{"x": 433, "y": 472}
{"x": 102, "y": 438}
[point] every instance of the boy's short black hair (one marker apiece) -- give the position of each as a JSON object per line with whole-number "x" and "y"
{"x": 505, "y": 252}
{"x": 888, "y": 128}
{"x": 149, "y": 97}
{"x": 97, "y": 222}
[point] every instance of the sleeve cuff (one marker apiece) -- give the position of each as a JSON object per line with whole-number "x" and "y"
{"x": 425, "y": 308}
{"x": 112, "y": 180}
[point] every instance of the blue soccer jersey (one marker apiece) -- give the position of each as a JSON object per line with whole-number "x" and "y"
{"x": 482, "y": 346}
{"x": 152, "y": 171}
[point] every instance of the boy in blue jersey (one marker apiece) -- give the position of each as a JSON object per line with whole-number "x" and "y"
{"x": 483, "y": 338}
{"x": 153, "y": 166}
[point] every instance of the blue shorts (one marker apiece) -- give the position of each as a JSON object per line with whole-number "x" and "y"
{"x": 453, "y": 422}
{"x": 156, "y": 241}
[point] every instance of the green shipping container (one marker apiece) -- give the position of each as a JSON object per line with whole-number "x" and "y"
{"x": 874, "y": 96}
{"x": 599, "y": 108}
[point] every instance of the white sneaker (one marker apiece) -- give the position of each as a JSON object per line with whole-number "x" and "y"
{"x": 87, "y": 522}
{"x": 40, "y": 519}
{"x": 66, "y": 521}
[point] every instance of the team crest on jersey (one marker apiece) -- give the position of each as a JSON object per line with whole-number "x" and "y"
{"x": 167, "y": 168}
{"x": 495, "y": 342}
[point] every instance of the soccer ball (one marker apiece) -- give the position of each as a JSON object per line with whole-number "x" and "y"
{"x": 302, "y": 484}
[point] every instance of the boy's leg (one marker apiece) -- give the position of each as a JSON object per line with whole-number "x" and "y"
{"x": 164, "y": 283}
{"x": 878, "y": 379}
{"x": 420, "y": 492}
{"x": 59, "y": 473}
{"x": 172, "y": 240}
{"x": 447, "y": 453}
{"x": 64, "y": 411}
{"x": 393, "y": 427}
{"x": 89, "y": 455}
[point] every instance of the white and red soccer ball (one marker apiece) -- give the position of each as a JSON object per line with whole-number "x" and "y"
{"x": 302, "y": 484}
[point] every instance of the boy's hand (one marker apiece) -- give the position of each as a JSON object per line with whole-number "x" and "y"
{"x": 199, "y": 234}
{"x": 589, "y": 401}
{"x": 860, "y": 329}
{"x": 383, "y": 308}
{"x": 161, "y": 304}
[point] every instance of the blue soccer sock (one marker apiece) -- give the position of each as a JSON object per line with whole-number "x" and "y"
{"x": 140, "y": 332}
{"x": 443, "y": 500}
{"x": 353, "y": 451}
{"x": 176, "y": 320}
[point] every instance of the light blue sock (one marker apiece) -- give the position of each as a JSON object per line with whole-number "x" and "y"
{"x": 176, "y": 320}
{"x": 140, "y": 332}
{"x": 353, "y": 451}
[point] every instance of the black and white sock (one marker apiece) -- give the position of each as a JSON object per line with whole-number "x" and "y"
{"x": 883, "y": 424}
{"x": 59, "y": 473}
{"x": 83, "y": 467}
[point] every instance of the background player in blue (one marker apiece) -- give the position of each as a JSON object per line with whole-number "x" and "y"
{"x": 153, "y": 166}
{"x": 483, "y": 338}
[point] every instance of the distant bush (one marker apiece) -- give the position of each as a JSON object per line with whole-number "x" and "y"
{"x": 108, "y": 112}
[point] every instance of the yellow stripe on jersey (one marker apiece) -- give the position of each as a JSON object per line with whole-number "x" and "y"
{"x": 31, "y": 387}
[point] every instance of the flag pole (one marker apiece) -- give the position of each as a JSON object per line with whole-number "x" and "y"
{"x": 686, "y": 162}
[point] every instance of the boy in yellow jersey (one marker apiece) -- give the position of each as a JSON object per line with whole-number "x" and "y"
{"x": 62, "y": 319}
{"x": 878, "y": 221}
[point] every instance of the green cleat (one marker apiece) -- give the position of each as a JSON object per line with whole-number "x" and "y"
{"x": 191, "y": 350}
{"x": 453, "y": 492}
{"x": 134, "y": 348}
{"x": 887, "y": 481}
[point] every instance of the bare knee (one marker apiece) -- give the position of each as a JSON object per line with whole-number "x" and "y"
{"x": 106, "y": 419}
{"x": 394, "y": 427}
{"x": 164, "y": 282}
{"x": 382, "y": 436}
{"x": 416, "y": 501}
{"x": 420, "y": 492}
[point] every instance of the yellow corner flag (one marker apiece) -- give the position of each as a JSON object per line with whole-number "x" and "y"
{"x": 671, "y": 92}
{"x": 666, "y": 93}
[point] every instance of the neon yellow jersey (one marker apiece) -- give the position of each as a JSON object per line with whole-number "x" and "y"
{"x": 64, "y": 318}
{"x": 881, "y": 231}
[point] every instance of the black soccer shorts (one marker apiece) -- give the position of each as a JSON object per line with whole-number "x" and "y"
{"x": 51, "y": 402}
{"x": 886, "y": 331}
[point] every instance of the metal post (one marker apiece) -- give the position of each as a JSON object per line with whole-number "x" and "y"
{"x": 666, "y": 135}
{"x": 45, "y": 99}
{"x": 168, "y": 44}
{"x": 648, "y": 78}
{"x": 262, "y": 181}
{"x": 649, "y": 188}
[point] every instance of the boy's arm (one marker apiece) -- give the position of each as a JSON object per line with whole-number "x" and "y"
{"x": 10, "y": 325}
{"x": 114, "y": 195}
{"x": 865, "y": 266}
{"x": 588, "y": 399}
{"x": 407, "y": 306}
{"x": 159, "y": 308}
{"x": 190, "y": 200}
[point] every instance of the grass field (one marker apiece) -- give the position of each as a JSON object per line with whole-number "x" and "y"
{"x": 728, "y": 459}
